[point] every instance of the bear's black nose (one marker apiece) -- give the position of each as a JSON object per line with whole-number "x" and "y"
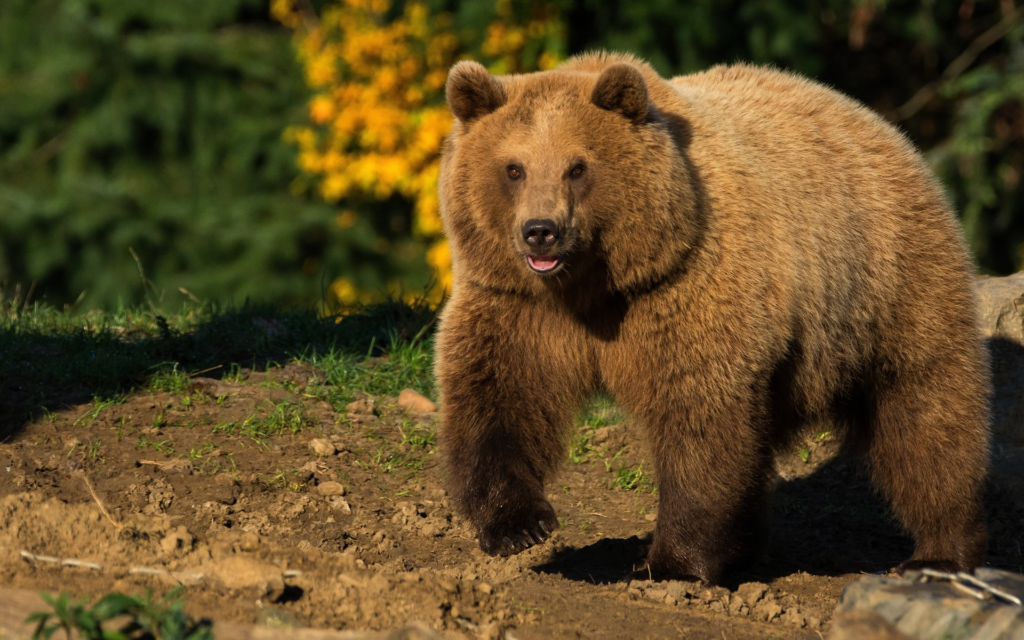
{"x": 540, "y": 234}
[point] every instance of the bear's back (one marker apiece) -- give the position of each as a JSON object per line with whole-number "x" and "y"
{"x": 856, "y": 230}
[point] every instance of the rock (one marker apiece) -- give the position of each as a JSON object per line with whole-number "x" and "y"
{"x": 792, "y": 617}
{"x": 751, "y": 592}
{"x": 363, "y": 406}
{"x": 735, "y": 605}
{"x": 330, "y": 489}
{"x": 766, "y": 610}
{"x": 492, "y": 631}
{"x": 176, "y": 465}
{"x": 322, "y": 447}
{"x": 415, "y": 402}
{"x": 859, "y": 625}
{"x": 180, "y": 538}
{"x": 908, "y": 607}
{"x": 249, "y": 541}
{"x": 340, "y": 504}
{"x": 1001, "y": 308}
{"x": 243, "y": 572}
{"x": 225, "y": 488}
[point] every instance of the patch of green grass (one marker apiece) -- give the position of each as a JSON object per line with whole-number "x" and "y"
{"x": 630, "y": 477}
{"x": 416, "y": 435}
{"x": 88, "y": 451}
{"x": 165, "y": 447}
{"x": 119, "y": 617}
{"x": 398, "y": 365}
{"x": 416, "y": 445}
{"x": 601, "y": 411}
{"x": 286, "y": 417}
{"x": 66, "y": 356}
{"x": 173, "y": 380}
{"x": 99, "y": 405}
{"x": 201, "y": 452}
{"x": 581, "y": 448}
{"x": 283, "y": 480}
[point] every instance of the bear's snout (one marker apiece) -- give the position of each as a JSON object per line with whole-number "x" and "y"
{"x": 540, "y": 234}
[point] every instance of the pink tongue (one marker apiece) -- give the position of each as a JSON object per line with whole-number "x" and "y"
{"x": 543, "y": 263}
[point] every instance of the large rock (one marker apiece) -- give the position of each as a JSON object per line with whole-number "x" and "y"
{"x": 1001, "y": 306}
{"x": 898, "y": 608}
{"x": 1001, "y": 302}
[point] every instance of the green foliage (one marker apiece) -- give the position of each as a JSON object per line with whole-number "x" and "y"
{"x": 287, "y": 417}
{"x": 630, "y": 478}
{"x": 147, "y": 617}
{"x": 950, "y": 73}
{"x": 155, "y": 128}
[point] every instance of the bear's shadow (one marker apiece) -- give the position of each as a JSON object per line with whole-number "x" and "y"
{"x": 829, "y": 523}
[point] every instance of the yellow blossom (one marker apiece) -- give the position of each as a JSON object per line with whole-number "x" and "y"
{"x": 378, "y": 118}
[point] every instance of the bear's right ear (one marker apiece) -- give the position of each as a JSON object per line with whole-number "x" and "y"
{"x": 472, "y": 91}
{"x": 621, "y": 87}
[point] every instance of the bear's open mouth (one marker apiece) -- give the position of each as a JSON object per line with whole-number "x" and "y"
{"x": 543, "y": 264}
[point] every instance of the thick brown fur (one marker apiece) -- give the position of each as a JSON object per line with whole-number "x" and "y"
{"x": 745, "y": 252}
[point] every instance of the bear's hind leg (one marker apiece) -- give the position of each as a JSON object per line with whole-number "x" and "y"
{"x": 928, "y": 451}
{"x": 712, "y": 467}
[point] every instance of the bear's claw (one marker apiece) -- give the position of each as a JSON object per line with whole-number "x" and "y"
{"x": 508, "y": 535}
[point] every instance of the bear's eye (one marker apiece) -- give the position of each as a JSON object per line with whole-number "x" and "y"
{"x": 578, "y": 170}
{"x": 514, "y": 172}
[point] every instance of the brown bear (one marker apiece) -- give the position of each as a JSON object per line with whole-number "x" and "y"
{"x": 731, "y": 255}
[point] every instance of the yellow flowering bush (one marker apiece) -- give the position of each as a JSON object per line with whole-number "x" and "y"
{"x": 377, "y": 116}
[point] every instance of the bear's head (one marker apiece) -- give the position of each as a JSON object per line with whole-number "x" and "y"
{"x": 551, "y": 177}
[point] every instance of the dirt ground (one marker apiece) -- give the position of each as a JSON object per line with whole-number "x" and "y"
{"x": 340, "y": 521}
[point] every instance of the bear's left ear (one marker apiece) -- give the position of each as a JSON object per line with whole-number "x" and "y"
{"x": 621, "y": 87}
{"x": 472, "y": 91}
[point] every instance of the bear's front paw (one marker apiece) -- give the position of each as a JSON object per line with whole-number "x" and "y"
{"x": 519, "y": 529}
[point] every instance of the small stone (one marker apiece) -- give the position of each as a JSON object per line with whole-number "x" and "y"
{"x": 793, "y": 617}
{"x": 322, "y": 447}
{"x": 415, "y": 402}
{"x": 735, "y": 605}
{"x": 363, "y": 406}
{"x": 767, "y": 610}
{"x": 651, "y": 517}
{"x": 340, "y": 504}
{"x": 492, "y": 631}
{"x": 484, "y": 588}
{"x": 751, "y": 592}
{"x": 177, "y": 465}
{"x": 180, "y": 538}
{"x": 225, "y": 489}
{"x": 169, "y": 543}
{"x": 329, "y": 489}
{"x": 249, "y": 541}
{"x": 658, "y": 595}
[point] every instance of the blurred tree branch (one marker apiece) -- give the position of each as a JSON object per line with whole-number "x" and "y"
{"x": 962, "y": 62}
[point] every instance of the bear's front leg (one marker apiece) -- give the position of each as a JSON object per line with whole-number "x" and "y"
{"x": 510, "y": 384}
{"x": 707, "y": 437}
